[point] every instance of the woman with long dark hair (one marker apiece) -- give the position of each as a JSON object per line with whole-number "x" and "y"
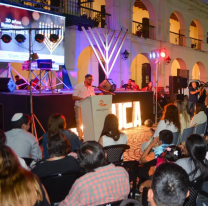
{"x": 57, "y": 124}
{"x": 170, "y": 120}
{"x": 110, "y": 134}
{"x": 19, "y": 187}
{"x": 194, "y": 164}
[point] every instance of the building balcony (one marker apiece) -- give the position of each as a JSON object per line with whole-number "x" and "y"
{"x": 73, "y": 10}
{"x": 196, "y": 44}
{"x": 177, "y": 38}
{"x": 143, "y": 30}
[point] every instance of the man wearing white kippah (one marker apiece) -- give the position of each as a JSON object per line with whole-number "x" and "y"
{"x": 20, "y": 140}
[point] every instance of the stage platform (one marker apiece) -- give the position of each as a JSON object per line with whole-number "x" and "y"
{"x": 46, "y": 104}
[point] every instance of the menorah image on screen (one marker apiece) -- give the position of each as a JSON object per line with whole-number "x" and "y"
{"x": 12, "y": 17}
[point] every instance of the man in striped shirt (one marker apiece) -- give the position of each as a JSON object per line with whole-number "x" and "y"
{"x": 101, "y": 184}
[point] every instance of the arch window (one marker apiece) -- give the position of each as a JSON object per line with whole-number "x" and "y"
{"x": 141, "y": 25}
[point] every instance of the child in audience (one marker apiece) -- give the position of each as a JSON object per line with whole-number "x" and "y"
{"x": 56, "y": 124}
{"x": 171, "y": 154}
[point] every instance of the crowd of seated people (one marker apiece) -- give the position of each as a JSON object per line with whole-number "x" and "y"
{"x": 166, "y": 169}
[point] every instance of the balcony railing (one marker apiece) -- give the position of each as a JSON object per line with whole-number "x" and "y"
{"x": 100, "y": 18}
{"x": 196, "y": 44}
{"x": 70, "y": 7}
{"x": 143, "y": 30}
{"x": 177, "y": 38}
{"x": 37, "y": 4}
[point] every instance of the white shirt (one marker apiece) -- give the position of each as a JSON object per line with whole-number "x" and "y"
{"x": 199, "y": 118}
{"x": 162, "y": 125}
{"x": 108, "y": 141}
{"x": 80, "y": 90}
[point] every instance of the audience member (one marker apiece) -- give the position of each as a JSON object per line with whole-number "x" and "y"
{"x": 169, "y": 121}
{"x": 102, "y": 183}
{"x": 162, "y": 142}
{"x": 23, "y": 143}
{"x": 194, "y": 164}
{"x": 59, "y": 162}
{"x": 2, "y": 143}
{"x": 184, "y": 116}
{"x": 111, "y": 134}
{"x": 193, "y": 97}
{"x": 21, "y": 82}
{"x": 169, "y": 186}
{"x": 19, "y": 186}
{"x": 171, "y": 154}
{"x": 199, "y": 115}
{"x": 202, "y": 94}
{"x": 57, "y": 123}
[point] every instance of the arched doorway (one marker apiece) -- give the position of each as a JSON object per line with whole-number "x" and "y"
{"x": 141, "y": 70}
{"x": 196, "y": 34}
{"x": 144, "y": 19}
{"x": 177, "y": 29}
{"x": 199, "y": 72}
{"x": 177, "y": 64}
{"x": 88, "y": 64}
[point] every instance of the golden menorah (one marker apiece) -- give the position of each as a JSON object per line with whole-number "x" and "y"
{"x": 47, "y": 32}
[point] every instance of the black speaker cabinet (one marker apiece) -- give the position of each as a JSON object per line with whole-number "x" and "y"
{"x": 7, "y": 85}
{"x": 184, "y": 82}
{"x": 175, "y": 83}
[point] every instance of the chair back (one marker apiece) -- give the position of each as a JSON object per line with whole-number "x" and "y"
{"x": 201, "y": 128}
{"x": 186, "y": 133}
{"x": 116, "y": 203}
{"x": 58, "y": 185}
{"x": 115, "y": 152}
{"x": 176, "y": 138}
{"x": 194, "y": 189}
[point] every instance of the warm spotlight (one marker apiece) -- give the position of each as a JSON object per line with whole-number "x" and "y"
{"x": 20, "y": 38}
{"x": 39, "y": 38}
{"x": 54, "y": 38}
{"x": 6, "y": 38}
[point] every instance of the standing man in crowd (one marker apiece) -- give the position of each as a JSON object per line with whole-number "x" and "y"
{"x": 82, "y": 91}
{"x": 193, "y": 98}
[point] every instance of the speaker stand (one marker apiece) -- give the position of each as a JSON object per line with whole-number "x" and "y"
{"x": 34, "y": 117}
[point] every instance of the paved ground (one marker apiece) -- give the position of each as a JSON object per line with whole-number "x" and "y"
{"x": 136, "y": 137}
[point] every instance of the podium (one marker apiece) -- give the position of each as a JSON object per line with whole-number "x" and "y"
{"x": 94, "y": 109}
